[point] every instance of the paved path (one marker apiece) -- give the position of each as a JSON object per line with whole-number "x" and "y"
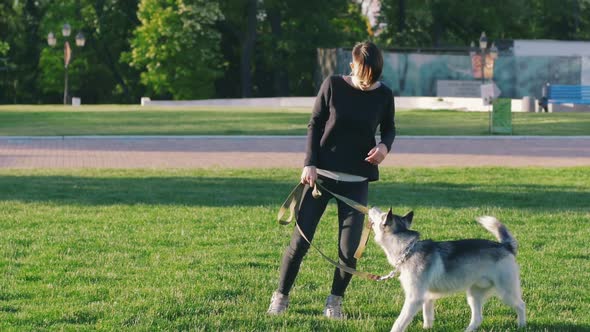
{"x": 268, "y": 152}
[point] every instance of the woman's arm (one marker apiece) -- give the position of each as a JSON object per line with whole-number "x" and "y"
{"x": 388, "y": 125}
{"x": 315, "y": 127}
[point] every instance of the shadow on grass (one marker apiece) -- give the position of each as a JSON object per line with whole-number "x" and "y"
{"x": 234, "y": 191}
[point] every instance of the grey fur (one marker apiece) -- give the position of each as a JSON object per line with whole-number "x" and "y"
{"x": 435, "y": 269}
{"x": 500, "y": 231}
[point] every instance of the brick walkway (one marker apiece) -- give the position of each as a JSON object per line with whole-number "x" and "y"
{"x": 267, "y": 152}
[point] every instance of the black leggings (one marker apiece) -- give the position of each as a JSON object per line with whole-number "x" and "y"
{"x": 350, "y": 227}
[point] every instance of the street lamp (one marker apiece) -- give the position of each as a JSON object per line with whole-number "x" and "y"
{"x": 80, "y": 40}
{"x": 483, "y": 44}
{"x": 51, "y": 39}
{"x": 66, "y": 31}
{"x": 494, "y": 51}
{"x": 484, "y": 51}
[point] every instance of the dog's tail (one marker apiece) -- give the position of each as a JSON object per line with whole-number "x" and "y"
{"x": 500, "y": 231}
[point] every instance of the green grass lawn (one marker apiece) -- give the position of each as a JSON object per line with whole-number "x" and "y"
{"x": 200, "y": 249}
{"x": 134, "y": 120}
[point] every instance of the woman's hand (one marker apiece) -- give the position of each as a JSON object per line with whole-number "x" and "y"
{"x": 309, "y": 175}
{"x": 377, "y": 154}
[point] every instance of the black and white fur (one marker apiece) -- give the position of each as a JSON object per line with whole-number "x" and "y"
{"x": 432, "y": 270}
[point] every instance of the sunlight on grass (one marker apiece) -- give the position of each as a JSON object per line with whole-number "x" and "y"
{"x": 200, "y": 249}
{"x": 56, "y": 120}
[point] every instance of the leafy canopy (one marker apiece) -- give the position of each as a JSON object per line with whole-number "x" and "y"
{"x": 176, "y": 46}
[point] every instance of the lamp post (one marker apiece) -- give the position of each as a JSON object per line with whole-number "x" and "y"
{"x": 484, "y": 51}
{"x": 80, "y": 41}
{"x": 483, "y": 44}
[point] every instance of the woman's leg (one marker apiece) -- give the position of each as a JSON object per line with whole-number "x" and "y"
{"x": 350, "y": 229}
{"x": 310, "y": 212}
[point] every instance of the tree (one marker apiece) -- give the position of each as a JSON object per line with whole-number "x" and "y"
{"x": 51, "y": 61}
{"x": 110, "y": 26}
{"x": 96, "y": 74}
{"x": 565, "y": 20}
{"x": 438, "y": 23}
{"x": 286, "y": 37}
{"x": 11, "y": 28}
{"x": 292, "y": 44}
{"x": 238, "y": 43}
{"x": 4, "y": 47}
{"x": 177, "y": 47}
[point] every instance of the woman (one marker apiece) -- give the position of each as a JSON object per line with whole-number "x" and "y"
{"x": 342, "y": 151}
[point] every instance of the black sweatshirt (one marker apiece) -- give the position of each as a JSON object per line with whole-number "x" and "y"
{"x": 342, "y": 127}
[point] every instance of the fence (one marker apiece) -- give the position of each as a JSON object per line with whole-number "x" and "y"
{"x": 416, "y": 74}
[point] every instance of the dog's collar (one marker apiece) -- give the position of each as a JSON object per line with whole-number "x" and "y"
{"x": 404, "y": 257}
{"x": 407, "y": 252}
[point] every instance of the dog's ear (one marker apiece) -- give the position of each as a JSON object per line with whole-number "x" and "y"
{"x": 389, "y": 218}
{"x": 408, "y": 218}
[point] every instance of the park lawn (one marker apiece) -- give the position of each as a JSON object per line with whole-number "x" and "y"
{"x": 25, "y": 120}
{"x": 200, "y": 249}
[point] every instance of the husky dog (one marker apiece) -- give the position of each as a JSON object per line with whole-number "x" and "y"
{"x": 430, "y": 270}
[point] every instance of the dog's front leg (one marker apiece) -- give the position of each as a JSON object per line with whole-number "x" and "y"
{"x": 428, "y": 313}
{"x": 409, "y": 310}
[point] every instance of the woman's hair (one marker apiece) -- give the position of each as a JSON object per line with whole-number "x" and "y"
{"x": 368, "y": 63}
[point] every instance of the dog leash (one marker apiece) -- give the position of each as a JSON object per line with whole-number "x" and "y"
{"x": 292, "y": 204}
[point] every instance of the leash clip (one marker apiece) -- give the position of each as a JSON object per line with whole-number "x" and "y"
{"x": 389, "y": 276}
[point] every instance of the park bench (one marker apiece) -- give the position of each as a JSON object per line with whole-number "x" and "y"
{"x": 568, "y": 94}
{"x": 556, "y": 94}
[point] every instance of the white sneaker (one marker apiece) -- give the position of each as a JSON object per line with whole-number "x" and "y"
{"x": 278, "y": 303}
{"x": 333, "y": 307}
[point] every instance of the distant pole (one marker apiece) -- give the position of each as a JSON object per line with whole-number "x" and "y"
{"x": 483, "y": 45}
{"x": 67, "y": 58}
{"x": 483, "y": 65}
{"x": 66, "y": 87}
{"x": 80, "y": 41}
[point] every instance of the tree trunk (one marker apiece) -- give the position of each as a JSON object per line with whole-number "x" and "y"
{"x": 280, "y": 75}
{"x": 248, "y": 49}
{"x": 101, "y": 48}
{"x": 107, "y": 59}
{"x": 576, "y": 12}
{"x": 401, "y": 18}
{"x": 437, "y": 27}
